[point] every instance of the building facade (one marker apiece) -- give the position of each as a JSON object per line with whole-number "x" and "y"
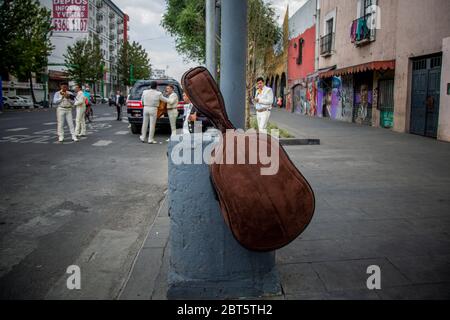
{"x": 80, "y": 19}
{"x": 378, "y": 63}
{"x": 302, "y": 59}
{"x": 276, "y": 64}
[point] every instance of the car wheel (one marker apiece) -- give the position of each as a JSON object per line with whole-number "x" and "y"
{"x": 7, "y": 106}
{"x": 135, "y": 129}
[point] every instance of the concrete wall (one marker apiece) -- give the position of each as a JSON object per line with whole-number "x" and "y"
{"x": 444, "y": 117}
{"x": 346, "y": 54}
{"x": 300, "y": 71}
{"x": 303, "y": 19}
{"x": 421, "y": 26}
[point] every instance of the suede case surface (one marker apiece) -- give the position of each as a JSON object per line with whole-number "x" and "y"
{"x": 264, "y": 212}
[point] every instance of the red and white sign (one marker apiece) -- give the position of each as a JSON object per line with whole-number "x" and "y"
{"x": 70, "y": 15}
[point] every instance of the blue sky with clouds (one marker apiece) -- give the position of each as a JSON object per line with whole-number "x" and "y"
{"x": 145, "y": 19}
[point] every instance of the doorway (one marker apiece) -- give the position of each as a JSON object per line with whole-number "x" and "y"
{"x": 425, "y": 95}
{"x": 386, "y": 103}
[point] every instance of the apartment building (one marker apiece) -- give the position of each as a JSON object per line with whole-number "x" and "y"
{"x": 381, "y": 64}
{"x": 75, "y": 20}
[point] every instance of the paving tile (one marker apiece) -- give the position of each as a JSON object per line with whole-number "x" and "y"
{"x": 424, "y": 269}
{"x": 336, "y": 295}
{"x": 351, "y": 275}
{"x": 299, "y": 278}
{"x": 439, "y": 291}
{"x": 141, "y": 284}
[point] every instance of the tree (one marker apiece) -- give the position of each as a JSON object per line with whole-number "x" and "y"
{"x": 25, "y": 30}
{"x": 77, "y": 60}
{"x": 133, "y": 57}
{"x": 185, "y": 20}
{"x": 263, "y": 33}
{"x": 84, "y": 61}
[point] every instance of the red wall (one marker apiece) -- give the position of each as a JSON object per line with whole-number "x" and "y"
{"x": 295, "y": 71}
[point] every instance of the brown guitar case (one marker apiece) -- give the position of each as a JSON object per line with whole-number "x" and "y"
{"x": 162, "y": 109}
{"x": 264, "y": 212}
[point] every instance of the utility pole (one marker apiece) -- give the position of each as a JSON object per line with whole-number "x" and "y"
{"x": 211, "y": 60}
{"x": 234, "y": 59}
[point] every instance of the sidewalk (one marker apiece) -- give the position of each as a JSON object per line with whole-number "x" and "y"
{"x": 382, "y": 199}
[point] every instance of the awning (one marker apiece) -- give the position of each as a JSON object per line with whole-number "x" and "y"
{"x": 371, "y": 66}
{"x": 320, "y": 71}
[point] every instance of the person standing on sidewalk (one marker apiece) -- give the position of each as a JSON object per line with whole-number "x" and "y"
{"x": 172, "y": 111}
{"x": 63, "y": 99}
{"x": 120, "y": 101}
{"x": 80, "y": 105}
{"x": 263, "y": 104}
{"x": 150, "y": 101}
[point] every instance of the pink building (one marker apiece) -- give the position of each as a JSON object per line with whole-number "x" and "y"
{"x": 301, "y": 59}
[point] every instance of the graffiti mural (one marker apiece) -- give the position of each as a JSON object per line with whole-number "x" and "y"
{"x": 362, "y": 113}
{"x": 346, "y": 99}
{"x": 311, "y": 98}
{"x": 299, "y": 99}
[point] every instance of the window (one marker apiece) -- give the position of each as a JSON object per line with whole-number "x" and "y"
{"x": 301, "y": 43}
{"x": 327, "y": 41}
{"x": 367, "y": 7}
{"x": 330, "y": 24}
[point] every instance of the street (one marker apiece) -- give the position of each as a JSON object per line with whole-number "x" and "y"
{"x": 382, "y": 200}
{"x": 87, "y": 204}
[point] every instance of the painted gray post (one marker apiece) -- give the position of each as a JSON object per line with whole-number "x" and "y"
{"x": 234, "y": 59}
{"x": 211, "y": 59}
{"x": 206, "y": 262}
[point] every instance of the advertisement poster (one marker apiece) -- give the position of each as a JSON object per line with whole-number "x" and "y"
{"x": 70, "y": 15}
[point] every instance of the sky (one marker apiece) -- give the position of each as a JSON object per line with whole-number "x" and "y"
{"x": 145, "y": 28}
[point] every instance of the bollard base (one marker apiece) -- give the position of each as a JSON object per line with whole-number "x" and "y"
{"x": 206, "y": 261}
{"x": 268, "y": 286}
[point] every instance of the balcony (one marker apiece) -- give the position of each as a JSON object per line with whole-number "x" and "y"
{"x": 112, "y": 37}
{"x": 363, "y": 31}
{"x": 99, "y": 4}
{"x": 327, "y": 45}
{"x": 99, "y": 17}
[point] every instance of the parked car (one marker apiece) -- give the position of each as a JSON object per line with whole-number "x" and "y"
{"x": 13, "y": 102}
{"x": 8, "y": 103}
{"x": 135, "y": 107}
{"x": 26, "y": 102}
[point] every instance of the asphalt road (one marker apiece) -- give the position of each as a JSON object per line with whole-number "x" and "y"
{"x": 88, "y": 204}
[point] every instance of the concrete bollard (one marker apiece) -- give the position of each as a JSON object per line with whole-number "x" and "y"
{"x": 206, "y": 262}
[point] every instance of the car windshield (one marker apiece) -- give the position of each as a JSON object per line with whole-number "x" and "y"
{"x": 138, "y": 89}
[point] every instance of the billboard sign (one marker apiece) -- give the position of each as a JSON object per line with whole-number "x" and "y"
{"x": 70, "y": 15}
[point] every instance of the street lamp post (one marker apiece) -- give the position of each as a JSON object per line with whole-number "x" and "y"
{"x": 233, "y": 59}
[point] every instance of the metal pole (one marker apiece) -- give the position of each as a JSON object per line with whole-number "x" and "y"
{"x": 1, "y": 94}
{"x": 211, "y": 63}
{"x": 234, "y": 59}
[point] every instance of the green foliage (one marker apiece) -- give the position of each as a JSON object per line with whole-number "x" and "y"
{"x": 133, "y": 56}
{"x": 84, "y": 61}
{"x": 77, "y": 61}
{"x": 282, "y": 133}
{"x": 25, "y": 30}
{"x": 185, "y": 20}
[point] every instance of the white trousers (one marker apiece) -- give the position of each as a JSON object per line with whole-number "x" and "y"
{"x": 80, "y": 120}
{"x": 150, "y": 114}
{"x": 62, "y": 115}
{"x": 173, "y": 115}
{"x": 263, "y": 120}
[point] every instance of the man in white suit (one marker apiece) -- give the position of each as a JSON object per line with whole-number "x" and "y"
{"x": 263, "y": 104}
